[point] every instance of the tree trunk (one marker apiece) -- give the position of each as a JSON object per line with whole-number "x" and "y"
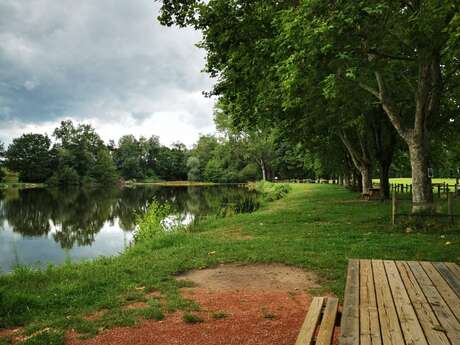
{"x": 385, "y": 179}
{"x": 422, "y": 193}
{"x": 361, "y": 160}
{"x": 427, "y": 105}
{"x": 358, "y": 182}
{"x": 384, "y": 143}
{"x": 366, "y": 178}
{"x": 263, "y": 169}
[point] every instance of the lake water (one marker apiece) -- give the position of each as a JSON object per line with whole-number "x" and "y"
{"x": 41, "y": 226}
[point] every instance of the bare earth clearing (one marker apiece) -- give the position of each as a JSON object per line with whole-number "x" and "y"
{"x": 257, "y": 304}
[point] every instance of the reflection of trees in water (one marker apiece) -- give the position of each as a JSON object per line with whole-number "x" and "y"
{"x": 79, "y": 214}
{"x": 131, "y": 203}
{"x": 29, "y": 213}
{"x": 82, "y": 215}
{"x": 2, "y": 210}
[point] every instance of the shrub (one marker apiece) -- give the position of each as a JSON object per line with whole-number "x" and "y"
{"x": 157, "y": 220}
{"x": 271, "y": 191}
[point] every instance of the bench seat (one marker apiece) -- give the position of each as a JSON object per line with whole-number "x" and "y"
{"x": 319, "y": 324}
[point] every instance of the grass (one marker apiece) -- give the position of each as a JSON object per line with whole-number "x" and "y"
{"x": 408, "y": 180}
{"x": 219, "y": 315}
{"x": 315, "y": 227}
{"x": 191, "y": 318}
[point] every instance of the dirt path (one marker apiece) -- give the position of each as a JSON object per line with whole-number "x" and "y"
{"x": 263, "y": 304}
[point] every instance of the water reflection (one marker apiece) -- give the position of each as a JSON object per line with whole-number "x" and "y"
{"x": 52, "y": 225}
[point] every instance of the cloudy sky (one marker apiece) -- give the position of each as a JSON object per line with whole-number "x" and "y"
{"x": 104, "y": 62}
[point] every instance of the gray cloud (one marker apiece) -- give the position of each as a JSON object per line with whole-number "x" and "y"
{"x": 104, "y": 59}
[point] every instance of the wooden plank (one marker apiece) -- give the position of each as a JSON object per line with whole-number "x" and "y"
{"x": 311, "y": 321}
{"x": 326, "y": 330}
{"x": 445, "y": 316}
{"x": 350, "y": 316}
{"x": 411, "y": 328}
{"x": 449, "y": 296}
{"x": 368, "y": 314}
{"x": 449, "y": 276}
{"x": 430, "y": 324}
{"x": 389, "y": 323}
{"x": 454, "y": 269}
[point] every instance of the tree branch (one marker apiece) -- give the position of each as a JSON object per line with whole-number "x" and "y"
{"x": 390, "y": 56}
{"x": 370, "y": 89}
{"x": 390, "y": 108}
{"x": 350, "y": 149}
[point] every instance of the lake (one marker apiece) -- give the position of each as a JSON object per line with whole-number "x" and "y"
{"x": 41, "y": 226}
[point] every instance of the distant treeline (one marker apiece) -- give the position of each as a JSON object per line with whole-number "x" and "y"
{"x": 76, "y": 155}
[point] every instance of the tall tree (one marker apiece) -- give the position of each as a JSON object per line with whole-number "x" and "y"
{"x": 390, "y": 49}
{"x": 79, "y": 149}
{"x": 31, "y": 156}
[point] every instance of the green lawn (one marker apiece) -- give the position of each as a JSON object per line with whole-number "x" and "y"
{"x": 408, "y": 180}
{"x": 315, "y": 227}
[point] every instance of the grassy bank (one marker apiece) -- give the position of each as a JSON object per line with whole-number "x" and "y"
{"x": 315, "y": 227}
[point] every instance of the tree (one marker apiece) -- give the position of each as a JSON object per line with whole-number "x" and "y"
{"x": 79, "y": 149}
{"x": 193, "y": 166}
{"x": 31, "y": 156}
{"x": 171, "y": 163}
{"x": 390, "y": 50}
{"x": 128, "y": 158}
{"x": 2, "y": 155}
{"x": 104, "y": 171}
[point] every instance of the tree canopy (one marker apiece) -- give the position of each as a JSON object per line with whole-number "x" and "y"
{"x": 319, "y": 71}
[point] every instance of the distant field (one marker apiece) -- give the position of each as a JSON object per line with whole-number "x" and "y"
{"x": 408, "y": 180}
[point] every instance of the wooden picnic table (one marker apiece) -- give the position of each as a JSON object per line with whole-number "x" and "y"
{"x": 400, "y": 303}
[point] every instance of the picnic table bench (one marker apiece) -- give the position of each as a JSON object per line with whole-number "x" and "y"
{"x": 319, "y": 324}
{"x": 374, "y": 193}
{"x": 401, "y": 303}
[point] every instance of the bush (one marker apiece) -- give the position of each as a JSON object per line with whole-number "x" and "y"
{"x": 157, "y": 220}
{"x": 271, "y": 191}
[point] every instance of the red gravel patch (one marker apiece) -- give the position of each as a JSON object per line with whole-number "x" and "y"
{"x": 270, "y": 314}
{"x": 246, "y": 322}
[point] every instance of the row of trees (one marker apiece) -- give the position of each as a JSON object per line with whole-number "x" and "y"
{"x": 77, "y": 155}
{"x": 356, "y": 82}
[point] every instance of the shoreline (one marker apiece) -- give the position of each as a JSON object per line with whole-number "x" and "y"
{"x": 23, "y": 185}
{"x": 314, "y": 227}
